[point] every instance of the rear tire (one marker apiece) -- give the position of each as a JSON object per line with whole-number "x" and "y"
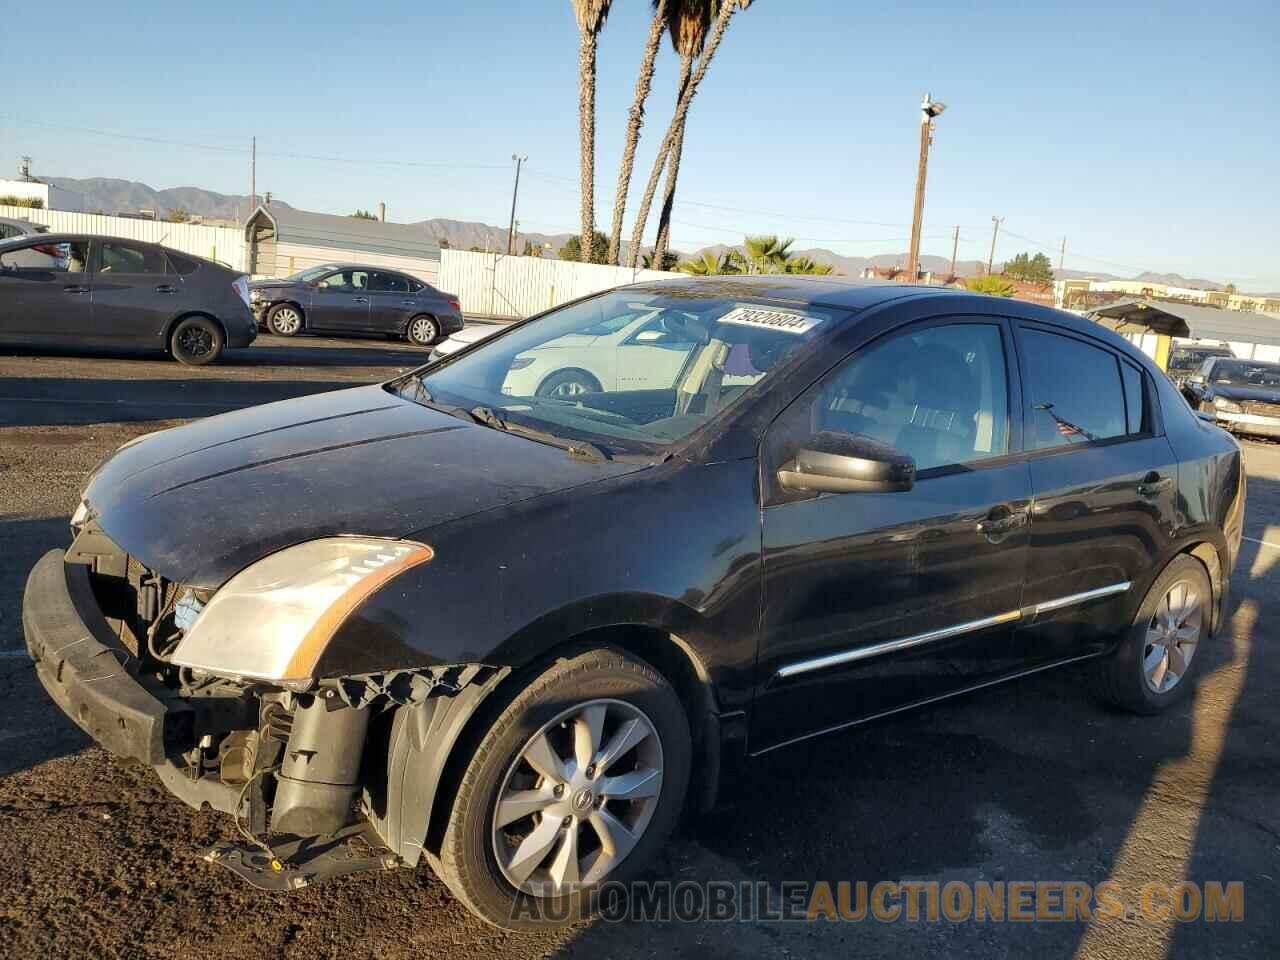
{"x": 196, "y": 341}
{"x": 423, "y": 330}
{"x": 285, "y": 320}
{"x": 542, "y": 866}
{"x": 1156, "y": 663}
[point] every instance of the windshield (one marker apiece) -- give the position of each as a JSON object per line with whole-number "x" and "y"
{"x": 1247, "y": 373}
{"x": 312, "y": 273}
{"x": 630, "y": 371}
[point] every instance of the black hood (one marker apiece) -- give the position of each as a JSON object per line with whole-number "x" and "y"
{"x": 1243, "y": 391}
{"x": 198, "y": 503}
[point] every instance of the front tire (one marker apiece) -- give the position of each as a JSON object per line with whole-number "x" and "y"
{"x": 196, "y": 341}
{"x": 285, "y": 320}
{"x": 1155, "y": 664}
{"x": 579, "y": 781}
{"x": 568, "y": 385}
{"x": 422, "y": 331}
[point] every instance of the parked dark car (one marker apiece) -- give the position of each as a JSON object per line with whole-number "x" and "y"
{"x": 1243, "y": 395}
{"x": 68, "y": 290}
{"x": 521, "y": 632}
{"x": 349, "y": 298}
{"x": 1184, "y": 361}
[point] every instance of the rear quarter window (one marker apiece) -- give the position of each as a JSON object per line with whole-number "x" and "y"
{"x": 181, "y": 264}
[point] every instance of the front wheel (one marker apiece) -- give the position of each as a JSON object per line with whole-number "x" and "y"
{"x": 423, "y": 331}
{"x": 579, "y": 781}
{"x": 1155, "y": 663}
{"x": 196, "y": 341}
{"x": 285, "y": 320}
{"x": 568, "y": 385}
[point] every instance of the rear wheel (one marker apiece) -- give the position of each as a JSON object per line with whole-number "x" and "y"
{"x": 579, "y": 781}
{"x": 285, "y": 320}
{"x": 196, "y": 341}
{"x": 423, "y": 330}
{"x": 1155, "y": 664}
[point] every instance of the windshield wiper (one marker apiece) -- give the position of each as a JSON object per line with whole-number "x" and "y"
{"x": 487, "y": 417}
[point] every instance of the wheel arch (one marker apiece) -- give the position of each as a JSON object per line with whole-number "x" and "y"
{"x": 1213, "y": 559}
{"x": 404, "y": 329}
{"x": 582, "y": 370}
{"x": 430, "y": 744}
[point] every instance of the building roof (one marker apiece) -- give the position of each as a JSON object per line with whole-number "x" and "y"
{"x": 344, "y": 233}
{"x": 1188, "y": 320}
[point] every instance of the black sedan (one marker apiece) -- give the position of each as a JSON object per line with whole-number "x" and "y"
{"x": 520, "y": 632}
{"x": 1242, "y": 395}
{"x": 348, "y": 298}
{"x": 68, "y": 290}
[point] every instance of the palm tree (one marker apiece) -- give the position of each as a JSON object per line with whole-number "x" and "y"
{"x": 677, "y": 122}
{"x": 591, "y": 16}
{"x": 802, "y": 264}
{"x": 708, "y": 263}
{"x": 634, "y": 119}
{"x": 689, "y": 22}
{"x": 766, "y": 253}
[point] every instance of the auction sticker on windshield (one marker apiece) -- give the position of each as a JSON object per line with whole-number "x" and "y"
{"x": 771, "y": 320}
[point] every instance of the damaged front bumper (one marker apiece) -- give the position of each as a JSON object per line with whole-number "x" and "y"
{"x": 307, "y": 777}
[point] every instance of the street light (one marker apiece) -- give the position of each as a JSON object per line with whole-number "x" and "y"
{"x": 929, "y": 109}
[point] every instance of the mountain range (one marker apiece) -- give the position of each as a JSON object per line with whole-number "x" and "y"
{"x": 109, "y": 195}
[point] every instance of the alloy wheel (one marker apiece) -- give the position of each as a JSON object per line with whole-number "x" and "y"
{"x": 577, "y": 798}
{"x": 1173, "y": 634}
{"x": 286, "y": 320}
{"x": 195, "y": 342}
{"x": 424, "y": 331}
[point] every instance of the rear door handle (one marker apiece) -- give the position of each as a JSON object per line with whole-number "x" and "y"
{"x": 1153, "y": 484}
{"x": 166, "y": 288}
{"x": 408, "y": 303}
{"x": 359, "y": 299}
{"x": 74, "y": 288}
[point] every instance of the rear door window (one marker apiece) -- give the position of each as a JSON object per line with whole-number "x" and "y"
{"x": 387, "y": 283}
{"x": 122, "y": 258}
{"x": 1076, "y": 392}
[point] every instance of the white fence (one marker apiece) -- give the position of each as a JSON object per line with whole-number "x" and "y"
{"x": 493, "y": 285}
{"x": 218, "y": 243}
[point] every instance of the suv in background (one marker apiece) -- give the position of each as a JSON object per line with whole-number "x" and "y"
{"x": 1186, "y": 359}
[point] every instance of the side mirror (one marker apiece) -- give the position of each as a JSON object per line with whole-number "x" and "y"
{"x": 848, "y": 463}
{"x": 1195, "y": 378}
{"x": 650, "y": 336}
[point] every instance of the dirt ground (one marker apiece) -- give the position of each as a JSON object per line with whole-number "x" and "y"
{"x": 1028, "y": 781}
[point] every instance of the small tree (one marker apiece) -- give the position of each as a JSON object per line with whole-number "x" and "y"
{"x": 531, "y": 249}
{"x": 1037, "y": 269}
{"x": 179, "y": 215}
{"x": 992, "y": 285}
{"x": 442, "y": 243}
{"x": 31, "y": 203}
{"x": 1229, "y": 289}
{"x": 363, "y": 215}
{"x": 572, "y": 249}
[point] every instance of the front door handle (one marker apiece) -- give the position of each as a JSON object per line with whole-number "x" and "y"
{"x": 996, "y": 528}
{"x": 166, "y": 288}
{"x": 75, "y": 288}
{"x": 359, "y": 299}
{"x": 1153, "y": 484}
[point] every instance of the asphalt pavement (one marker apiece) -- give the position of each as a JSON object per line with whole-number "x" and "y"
{"x": 1029, "y": 781}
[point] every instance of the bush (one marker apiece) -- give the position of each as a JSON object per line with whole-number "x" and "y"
{"x": 994, "y": 286}
{"x": 31, "y": 203}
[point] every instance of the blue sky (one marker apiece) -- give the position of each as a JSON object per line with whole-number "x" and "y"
{"x": 1143, "y": 132}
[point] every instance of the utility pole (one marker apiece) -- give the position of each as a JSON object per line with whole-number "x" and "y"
{"x": 995, "y": 228}
{"x": 511, "y": 230}
{"x": 253, "y": 175}
{"x": 955, "y": 247}
{"x": 928, "y": 110}
{"x": 1062, "y": 254}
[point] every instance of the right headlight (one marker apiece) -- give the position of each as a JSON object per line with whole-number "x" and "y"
{"x": 273, "y": 620}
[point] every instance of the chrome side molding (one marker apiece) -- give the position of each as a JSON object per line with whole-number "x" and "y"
{"x": 1075, "y": 598}
{"x": 945, "y": 633}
